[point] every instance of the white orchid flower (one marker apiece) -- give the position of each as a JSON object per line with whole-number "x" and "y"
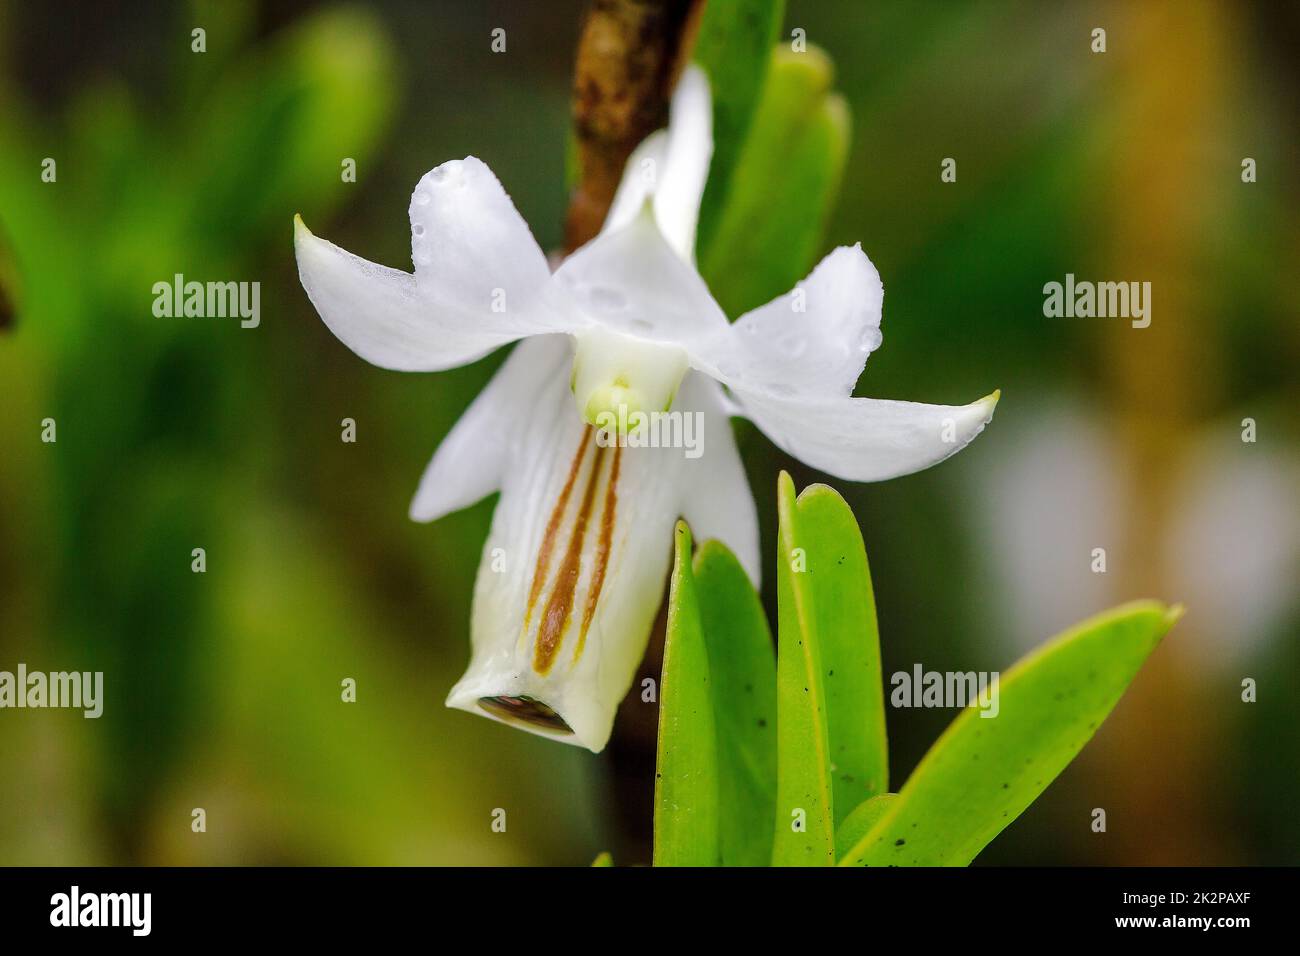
{"x": 573, "y": 571}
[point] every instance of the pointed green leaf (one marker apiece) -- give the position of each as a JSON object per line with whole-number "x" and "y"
{"x": 983, "y": 772}
{"x": 742, "y": 674}
{"x": 805, "y": 825}
{"x": 770, "y": 228}
{"x": 603, "y": 859}
{"x": 734, "y": 46}
{"x": 859, "y": 823}
{"x": 848, "y": 643}
{"x": 686, "y": 781}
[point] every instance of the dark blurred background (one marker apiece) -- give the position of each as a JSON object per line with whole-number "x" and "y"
{"x": 222, "y": 688}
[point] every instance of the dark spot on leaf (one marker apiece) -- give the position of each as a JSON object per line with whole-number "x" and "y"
{"x": 899, "y": 842}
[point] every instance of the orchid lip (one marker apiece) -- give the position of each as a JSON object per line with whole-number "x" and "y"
{"x": 525, "y": 710}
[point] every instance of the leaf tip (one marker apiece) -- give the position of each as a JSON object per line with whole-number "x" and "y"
{"x": 820, "y": 490}
{"x": 1173, "y": 615}
{"x": 682, "y": 543}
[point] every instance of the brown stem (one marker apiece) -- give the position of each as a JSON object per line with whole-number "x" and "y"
{"x": 628, "y": 59}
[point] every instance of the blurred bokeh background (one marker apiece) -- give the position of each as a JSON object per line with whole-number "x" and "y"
{"x": 222, "y": 688}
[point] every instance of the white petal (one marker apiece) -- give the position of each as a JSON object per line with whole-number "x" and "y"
{"x": 470, "y": 463}
{"x": 815, "y": 338}
{"x": 640, "y": 176}
{"x": 718, "y": 501}
{"x": 380, "y": 313}
{"x": 632, "y": 281}
{"x": 686, "y": 162}
{"x": 477, "y": 283}
{"x": 670, "y": 168}
{"x": 865, "y": 439}
{"x": 572, "y": 574}
{"x": 470, "y": 246}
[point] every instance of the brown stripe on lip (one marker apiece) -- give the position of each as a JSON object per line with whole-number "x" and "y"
{"x": 552, "y": 526}
{"x": 555, "y": 618}
{"x": 607, "y": 517}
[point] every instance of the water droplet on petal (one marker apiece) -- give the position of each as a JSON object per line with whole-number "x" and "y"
{"x": 606, "y": 299}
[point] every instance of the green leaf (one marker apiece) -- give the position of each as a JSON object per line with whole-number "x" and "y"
{"x": 770, "y": 229}
{"x": 686, "y": 782}
{"x": 859, "y": 823}
{"x": 805, "y": 825}
{"x": 838, "y": 583}
{"x": 742, "y": 672}
{"x": 983, "y": 772}
{"x": 734, "y": 46}
{"x": 832, "y": 708}
{"x": 603, "y": 859}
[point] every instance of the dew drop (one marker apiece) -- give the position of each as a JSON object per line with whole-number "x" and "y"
{"x": 606, "y": 299}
